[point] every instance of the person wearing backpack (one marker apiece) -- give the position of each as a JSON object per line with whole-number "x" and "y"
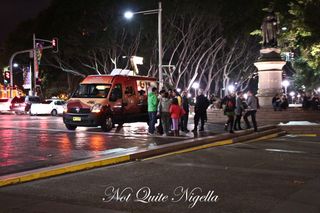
{"x": 229, "y": 106}
{"x": 253, "y": 105}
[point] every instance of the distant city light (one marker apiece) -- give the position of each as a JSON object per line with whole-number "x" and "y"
{"x": 128, "y": 15}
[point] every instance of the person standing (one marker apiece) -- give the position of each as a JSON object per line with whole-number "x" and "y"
{"x": 253, "y": 105}
{"x": 152, "y": 110}
{"x": 175, "y": 112}
{"x": 239, "y": 110}
{"x": 229, "y": 106}
{"x": 164, "y": 110}
{"x": 185, "y": 117}
{"x": 200, "y": 110}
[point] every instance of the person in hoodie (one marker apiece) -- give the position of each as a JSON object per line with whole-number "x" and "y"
{"x": 164, "y": 112}
{"x": 152, "y": 110}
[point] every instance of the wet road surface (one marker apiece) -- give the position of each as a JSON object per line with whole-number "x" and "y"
{"x": 30, "y": 142}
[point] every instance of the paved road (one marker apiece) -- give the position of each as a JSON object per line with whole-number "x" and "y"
{"x": 33, "y": 142}
{"x": 278, "y": 176}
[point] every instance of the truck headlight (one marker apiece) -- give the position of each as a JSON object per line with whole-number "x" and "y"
{"x": 96, "y": 108}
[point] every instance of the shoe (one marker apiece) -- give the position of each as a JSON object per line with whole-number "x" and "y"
{"x": 235, "y": 129}
{"x": 201, "y": 130}
{"x": 231, "y": 131}
{"x": 240, "y": 128}
{"x": 194, "y": 130}
{"x": 186, "y": 131}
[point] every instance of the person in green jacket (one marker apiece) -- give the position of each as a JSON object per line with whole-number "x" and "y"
{"x": 152, "y": 110}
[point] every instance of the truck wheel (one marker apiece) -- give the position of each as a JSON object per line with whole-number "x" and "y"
{"x": 71, "y": 127}
{"x": 54, "y": 112}
{"x": 107, "y": 124}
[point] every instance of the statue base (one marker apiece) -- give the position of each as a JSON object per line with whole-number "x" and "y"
{"x": 269, "y": 67}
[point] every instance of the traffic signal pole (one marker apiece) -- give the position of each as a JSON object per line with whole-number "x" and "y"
{"x": 11, "y": 67}
{"x": 30, "y": 51}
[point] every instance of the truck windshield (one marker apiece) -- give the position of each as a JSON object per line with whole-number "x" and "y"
{"x": 92, "y": 91}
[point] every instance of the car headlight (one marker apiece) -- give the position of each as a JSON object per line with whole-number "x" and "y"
{"x": 65, "y": 109}
{"x": 96, "y": 108}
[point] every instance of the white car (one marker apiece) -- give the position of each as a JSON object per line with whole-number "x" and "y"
{"x": 51, "y": 106}
{"x": 5, "y": 104}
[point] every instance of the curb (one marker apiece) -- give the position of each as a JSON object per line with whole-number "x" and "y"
{"x": 161, "y": 151}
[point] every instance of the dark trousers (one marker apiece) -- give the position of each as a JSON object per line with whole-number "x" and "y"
{"x": 152, "y": 121}
{"x": 197, "y": 117}
{"x": 251, "y": 113}
{"x": 237, "y": 122}
{"x": 230, "y": 122}
{"x": 184, "y": 122}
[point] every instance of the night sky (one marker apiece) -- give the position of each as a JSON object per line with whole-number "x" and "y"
{"x": 12, "y": 12}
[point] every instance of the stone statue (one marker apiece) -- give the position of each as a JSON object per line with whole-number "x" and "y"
{"x": 270, "y": 30}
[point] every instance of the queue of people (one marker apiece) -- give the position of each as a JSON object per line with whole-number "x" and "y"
{"x": 171, "y": 108}
{"x": 173, "y": 111}
{"x": 235, "y": 106}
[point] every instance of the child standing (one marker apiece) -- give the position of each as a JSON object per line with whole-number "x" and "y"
{"x": 175, "y": 112}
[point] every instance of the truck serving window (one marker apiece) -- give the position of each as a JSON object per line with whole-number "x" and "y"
{"x": 92, "y": 91}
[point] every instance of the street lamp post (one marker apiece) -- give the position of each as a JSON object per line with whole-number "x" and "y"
{"x": 195, "y": 86}
{"x": 285, "y": 83}
{"x": 129, "y": 15}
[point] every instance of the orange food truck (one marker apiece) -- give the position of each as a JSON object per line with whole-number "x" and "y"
{"x": 105, "y": 100}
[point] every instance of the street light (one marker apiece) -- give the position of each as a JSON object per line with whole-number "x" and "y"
{"x": 15, "y": 65}
{"x": 285, "y": 83}
{"x": 318, "y": 90}
{"x": 130, "y": 14}
{"x": 292, "y": 94}
{"x": 195, "y": 86}
{"x": 231, "y": 88}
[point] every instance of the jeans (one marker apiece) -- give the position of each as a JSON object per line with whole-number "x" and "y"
{"x": 230, "y": 122}
{"x": 152, "y": 121}
{"x": 199, "y": 116}
{"x": 166, "y": 122}
{"x": 237, "y": 123}
{"x": 251, "y": 113}
{"x": 184, "y": 122}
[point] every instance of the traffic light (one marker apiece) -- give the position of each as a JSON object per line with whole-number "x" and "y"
{"x": 54, "y": 43}
{"x": 6, "y": 77}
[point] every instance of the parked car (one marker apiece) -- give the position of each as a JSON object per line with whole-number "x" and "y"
{"x": 5, "y": 104}
{"x": 22, "y": 104}
{"x": 51, "y": 106}
{"x": 105, "y": 100}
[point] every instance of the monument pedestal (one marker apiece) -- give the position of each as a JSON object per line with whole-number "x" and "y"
{"x": 269, "y": 67}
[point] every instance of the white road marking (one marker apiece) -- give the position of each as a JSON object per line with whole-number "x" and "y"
{"x": 285, "y": 151}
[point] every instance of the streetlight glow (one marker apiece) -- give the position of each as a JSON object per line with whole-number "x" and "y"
{"x": 15, "y": 65}
{"x": 178, "y": 90}
{"x": 128, "y": 15}
{"x": 231, "y": 88}
{"x": 318, "y": 90}
{"x": 195, "y": 85}
{"x": 292, "y": 94}
{"x": 285, "y": 83}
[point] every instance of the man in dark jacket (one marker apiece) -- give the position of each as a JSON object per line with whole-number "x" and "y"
{"x": 185, "y": 117}
{"x": 229, "y": 106}
{"x": 200, "y": 110}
